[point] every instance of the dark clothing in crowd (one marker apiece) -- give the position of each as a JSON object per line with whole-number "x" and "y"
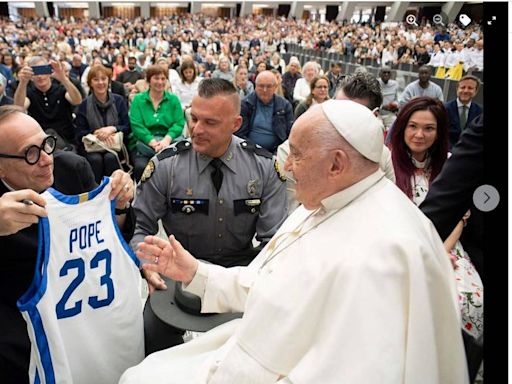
{"x": 52, "y": 110}
{"x": 77, "y": 72}
{"x": 73, "y": 175}
{"x": 288, "y": 85}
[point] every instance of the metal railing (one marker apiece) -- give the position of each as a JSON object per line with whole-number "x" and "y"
{"x": 402, "y": 73}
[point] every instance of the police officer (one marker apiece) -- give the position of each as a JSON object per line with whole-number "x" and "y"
{"x": 214, "y": 192}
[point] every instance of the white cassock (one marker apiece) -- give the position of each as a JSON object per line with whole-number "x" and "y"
{"x": 358, "y": 291}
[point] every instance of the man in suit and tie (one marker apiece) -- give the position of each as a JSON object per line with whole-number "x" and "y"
{"x": 235, "y": 45}
{"x": 462, "y": 110}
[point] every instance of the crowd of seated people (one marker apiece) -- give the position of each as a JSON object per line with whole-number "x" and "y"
{"x": 192, "y": 47}
{"x": 139, "y": 77}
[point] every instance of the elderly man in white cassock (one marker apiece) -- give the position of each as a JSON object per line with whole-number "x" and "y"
{"x": 355, "y": 287}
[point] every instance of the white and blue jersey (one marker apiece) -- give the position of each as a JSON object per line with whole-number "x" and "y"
{"x": 83, "y": 309}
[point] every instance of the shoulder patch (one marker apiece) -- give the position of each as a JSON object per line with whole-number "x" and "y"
{"x": 181, "y": 146}
{"x": 257, "y": 149}
{"x": 279, "y": 172}
{"x": 148, "y": 171}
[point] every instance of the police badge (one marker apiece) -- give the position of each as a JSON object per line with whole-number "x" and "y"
{"x": 252, "y": 188}
{"x": 148, "y": 171}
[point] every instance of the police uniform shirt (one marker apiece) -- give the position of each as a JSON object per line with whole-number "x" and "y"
{"x": 177, "y": 188}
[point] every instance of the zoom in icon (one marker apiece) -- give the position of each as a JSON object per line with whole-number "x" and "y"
{"x": 411, "y": 19}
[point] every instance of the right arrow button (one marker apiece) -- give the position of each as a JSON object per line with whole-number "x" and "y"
{"x": 486, "y": 198}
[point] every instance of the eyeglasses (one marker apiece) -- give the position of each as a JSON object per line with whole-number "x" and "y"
{"x": 33, "y": 153}
{"x": 265, "y": 86}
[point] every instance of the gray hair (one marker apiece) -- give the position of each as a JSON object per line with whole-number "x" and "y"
{"x": 312, "y": 64}
{"x": 35, "y": 60}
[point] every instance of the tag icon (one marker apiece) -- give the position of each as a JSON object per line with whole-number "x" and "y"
{"x": 464, "y": 19}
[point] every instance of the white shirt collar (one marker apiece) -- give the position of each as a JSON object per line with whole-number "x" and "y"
{"x": 459, "y": 104}
{"x": 344, "y": 197}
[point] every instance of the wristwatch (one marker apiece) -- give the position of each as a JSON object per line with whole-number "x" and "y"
{"x": 122, "y": 211}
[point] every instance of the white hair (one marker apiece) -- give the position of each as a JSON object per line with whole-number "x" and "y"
{"x": 312, "y": 64}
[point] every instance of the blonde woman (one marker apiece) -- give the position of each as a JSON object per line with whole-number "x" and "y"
{"x": 277, "y": 63}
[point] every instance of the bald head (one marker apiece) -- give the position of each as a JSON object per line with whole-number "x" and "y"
{"x": 266, "y": 84}
{"x": 18, "y": 132}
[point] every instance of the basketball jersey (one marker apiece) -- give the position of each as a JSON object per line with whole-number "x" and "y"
{"x": 83, "y": 309}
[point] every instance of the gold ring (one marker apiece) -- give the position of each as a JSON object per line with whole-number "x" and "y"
{"x": 126, "y": 187}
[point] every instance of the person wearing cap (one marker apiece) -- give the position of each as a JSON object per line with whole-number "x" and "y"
{"x": 214, "y": 192}
{"x": 336, "y": 296}
{"x": 364, "y": 89}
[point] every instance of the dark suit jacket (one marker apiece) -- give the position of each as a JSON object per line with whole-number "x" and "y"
{"x": 453, "y": 117}
{"x": 451, "y": 193}
{"x": 118, "y": 88}
{"x": 235, "y": 46}
{"x": 449, "y": 197}
{"x": 72, "y": 175}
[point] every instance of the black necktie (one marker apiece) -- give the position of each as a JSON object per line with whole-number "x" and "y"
{"x": 217, "y": 174}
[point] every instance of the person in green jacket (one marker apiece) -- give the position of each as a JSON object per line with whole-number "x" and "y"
{"x": 156, "y": 118}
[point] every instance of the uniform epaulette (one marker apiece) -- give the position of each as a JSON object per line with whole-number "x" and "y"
{"x": 174, "y": 150}
{"x": 257, "y": 149}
